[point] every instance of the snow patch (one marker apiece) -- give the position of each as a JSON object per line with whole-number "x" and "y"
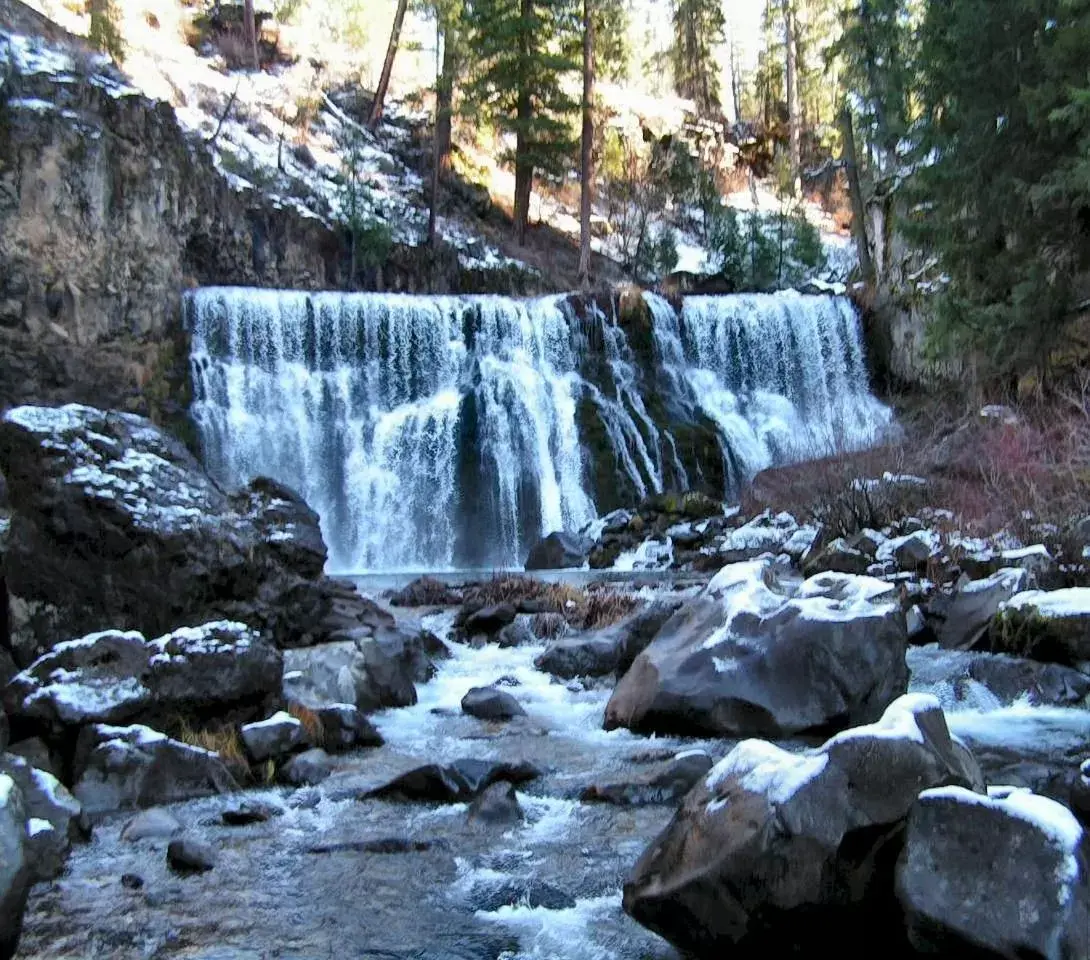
{"x": 761, "y": 767}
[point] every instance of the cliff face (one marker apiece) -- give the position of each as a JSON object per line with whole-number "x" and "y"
{"x": 106, "y": 214}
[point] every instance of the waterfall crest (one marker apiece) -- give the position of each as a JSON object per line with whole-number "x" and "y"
{"x": 431, "y": 432}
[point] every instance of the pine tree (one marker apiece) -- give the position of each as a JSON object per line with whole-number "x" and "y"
{"x": 524, "y": 52}
{"x": 699, "y": 27}
{"x": 379, "y": 102}
{"x": 1001, "y": 191}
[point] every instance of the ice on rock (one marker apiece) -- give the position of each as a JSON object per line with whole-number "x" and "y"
{"x": 1071, "y": 602}
{"x": 762, "y": 767}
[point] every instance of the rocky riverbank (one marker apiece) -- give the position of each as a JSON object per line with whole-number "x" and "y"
{"x": 212, "y": 750}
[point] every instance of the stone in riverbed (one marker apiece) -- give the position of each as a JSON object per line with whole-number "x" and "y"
{"x": 14, "y": 870}
{"x": 345, "y": 728}
{"x": 426, "y": 592}
{"x": 498, "y": 805}
{"x": 153, "y": 824}
{"x": 754, "y": 654}
{"x": 273, "y": 738}
{"x": 488, "y": 703}
{"x": 559, "y": 551}
{"x": 120, "y": 767}
{"x": 54, "y": 815}
{"x": 962, "y": 617}
{"x": 457, "y": 782}
{"x": 998, "y": 876}
{"x": 1045, "y": 625}
{"x": 489, "y": 620}
{"x": 774, "y": 851}
{"x": 518, "y": 633}
{"x": 308, "y": 768}
{"x": 187, "y": 856}
{"x": 669, "y": 784}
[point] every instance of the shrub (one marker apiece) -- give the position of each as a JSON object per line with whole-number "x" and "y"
{"x": 313, "y": 729}
{"x": 223, "y": 741}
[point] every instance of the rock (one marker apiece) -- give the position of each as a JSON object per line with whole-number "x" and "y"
{"x": 616, "y": 521}
{"x": 37, "y": 754}
{"x": 153, "y": 824}
{"x": 249, "y": 812}
{"x": 765, "y": 533}
{"x": 4, "y": 731}
{"x": 559, "y": 551}
{"x": 369, "y": 673}
{"x": 330, "y": 610}
{"x": 14, "y": 869}
{"x": 1038, "y": 563}
{"x": 910, "y": 552}
{"x": 112, "y": 677}
{"x": 839, "y": 557}
{"x": 457, "y": 782}
{"x": 119, "y": 767}
{"x": 984, "y": 681}
{"x": 756, "y": 655}
{"x": 1079, "y": 796}
{"x": 345, "y": 728}
{"x": 186, "y": 856}
{"x": 426, "y": 592}
{"x": 1000, "y": 876}
{"x": 962, "y": 617}
{"x": 1051, "y": 626}
{"x": 611, "y": 649}
{"x": 54, "y": 817}
{"x": 108, "y": 499}
{"x": 273, "y": 738}
{"x": 773, "y": 849}
{"x": 667, "y": 785}
{"x": 497, "y": 805}
{"x": 132, "y": 881}
{"x": 308, "y": 768}
{"x": 488, "y": 703}
{"x": 532, "y": 893}
{"x": 517, "y": 633}
{"x": 489, "y": 620}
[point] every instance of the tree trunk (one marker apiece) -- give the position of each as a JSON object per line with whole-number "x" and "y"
{"x": 794, "y": 120}
{"x": 524, "y": 166}
{"x": 249, "y": 30}
{"x": 587, "y": 152}
{"x": 387, "y": 66}
{"x": 855, "y": 191}
{"x": 433, "y": 206}
{"x": 445, "y": 97}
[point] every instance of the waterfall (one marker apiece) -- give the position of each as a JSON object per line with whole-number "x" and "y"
{"x": 783, "y": 376}
{"x": 434, "y": 432}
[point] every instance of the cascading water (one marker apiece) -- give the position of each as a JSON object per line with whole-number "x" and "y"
{"x": 434, "y": 432}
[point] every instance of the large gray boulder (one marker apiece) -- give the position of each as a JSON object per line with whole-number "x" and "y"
{"x": 133, "y": 767}
{"x": 961, "y": 618}
{"x": 755, "y": 655}
{"x": 115, "y": 525}
{"x": 273, "y": 738}
{"x": 53, "y": 817}
{"x": 14, "y": 870}
{"x": 612, "y": 649}
{"x": 559, "y": 551}
{"x": 774, "y": 851}
{"x": 1047, "y": 625}
{"x": 115, "y": 676}
{"x": 999, "y": 876}
{"x": 488, "y": 703}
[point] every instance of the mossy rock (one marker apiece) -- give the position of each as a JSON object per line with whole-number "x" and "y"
{"x": 1025, "y": 632}
{"x": 605, "y": 555}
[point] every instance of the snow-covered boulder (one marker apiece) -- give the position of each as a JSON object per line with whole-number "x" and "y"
{"x": 960, "y": 618}
{"x": 910, "y": 552}
{"x": 273, "y": 738}
{"x": 1047, "y": 625}
{"x": 1003, "y": 875}
{"x": 757, "y": 655}
{"x": 14, "y": 869}
{"x": 765, "y": 533}
{"x": 116, "y": 525}
{"x": 112, "y": 677}
{"x": 983, "y": 560}
{"x": 130, "y": 767}
{"x": 53, "y": 817}
{"x": 773, "y": 850}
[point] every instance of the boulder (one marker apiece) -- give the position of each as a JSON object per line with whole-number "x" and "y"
{"x": 186, "y": 855}
{"x": 910, "y": 552}
{"x": 994, "y": 876}
{"x": 668, "y": 784}
{"x": 112, "y": 677}
{"x": 839, "y": 557}
{"x": 518, "y": 633}
{"x": 1038, "y": 563}
{"x": 330, "y": 610}
{"x": 116, "y": 525}
{"x": 765, "y": 533}
{"x": 959, "y": 619}
{"x": 273, "y": 738}
{"x": 35, "y": 751}
{"x": 426, "y": 592}
{"x": 124, "y": 767}
{"x": 489, "y": 620}
{"x": 754, "y": 654}
{"x": 497, "y": 805}
{"x": 153, "y": 824}
{"x": 53, "y": 817}
{"x": 346, "y": 728}
{"x": 308, "y": 768}
{"x": 612, "y": 649}
{"x": 559, "y": 551}
{"x": 488, "y": 703}
{"x": 1079, "y": 796}
{"x": 457, "y": 782}
{"x": 14, "y": 869}
{"x": 775, "y": 851}
{"x": 983, "y": 681}
{"x": 1044, "y": 625}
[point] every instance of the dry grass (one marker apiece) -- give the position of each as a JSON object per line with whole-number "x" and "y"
{"x": 582, "y": 608}
{"x": 606, "y": 607}
{"x": 312, "y": 724}
{"x": 223, "y": 741}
